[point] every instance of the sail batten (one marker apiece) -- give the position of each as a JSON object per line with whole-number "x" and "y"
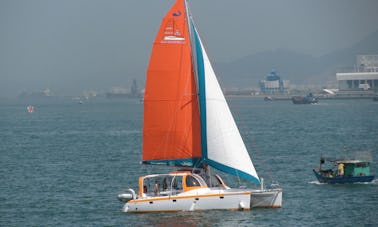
{"x": 190, "y": 162}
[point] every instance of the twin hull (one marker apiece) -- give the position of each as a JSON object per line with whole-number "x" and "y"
{"x": 210, "y": 199}
{"x": 267, "y": 198}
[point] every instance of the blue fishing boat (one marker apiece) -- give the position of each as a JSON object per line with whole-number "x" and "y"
{"x": 344, "y": 170}
{"x": 308, "y": 99}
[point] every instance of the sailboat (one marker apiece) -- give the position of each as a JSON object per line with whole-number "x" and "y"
{"x": 187, "y": 126}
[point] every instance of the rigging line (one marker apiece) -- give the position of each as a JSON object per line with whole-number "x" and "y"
{"x": 203, "y": 41}
{"x": 254, "y": 146}
{"x": 239, "y": 179}
{"x": 249, "y": 136}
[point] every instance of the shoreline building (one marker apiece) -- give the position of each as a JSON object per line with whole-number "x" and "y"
{"x": 121, "y": 92}
{"x": 274, "y": 85}
{"x": 364, "y": 78}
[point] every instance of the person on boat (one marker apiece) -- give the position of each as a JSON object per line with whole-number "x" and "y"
{"x": 144, "y": 188}
{"x": 174, "y": 184}
{"x": 165, "y": 186}
{"x": 206, "y": 173}
{"x": 156, "y": 188}
{"x": 341, "y": 169}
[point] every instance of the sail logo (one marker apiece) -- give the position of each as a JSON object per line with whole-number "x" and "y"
{"x": 172, "y": 34}
{"x": 176, "y": 14}
{"x": 173, "y": 38}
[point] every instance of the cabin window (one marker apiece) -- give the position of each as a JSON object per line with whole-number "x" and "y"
{"x": 148, "y": 186}
{"x": 216, "y": 181}
{"x": 362, "y": 165}
{"x": 177, "y": 183}
{"x": 162, "y": 185}
{"x": 192, "y": 182}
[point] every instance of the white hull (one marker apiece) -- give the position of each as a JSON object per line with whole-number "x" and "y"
{"x": 201, "y": 199}
{"x": 268, "y": 198}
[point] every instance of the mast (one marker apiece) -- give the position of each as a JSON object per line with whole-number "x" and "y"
{"x": 188, "y": 16}
{"x": 198, "y": 68}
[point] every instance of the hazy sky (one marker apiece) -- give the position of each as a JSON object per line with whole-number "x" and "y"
{"x": 75, "y": 45}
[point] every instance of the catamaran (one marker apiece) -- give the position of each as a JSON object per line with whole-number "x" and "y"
{"x": 188, "y": 125}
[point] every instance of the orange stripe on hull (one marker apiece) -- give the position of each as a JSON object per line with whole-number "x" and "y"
{"x": 151, "y": 199}
{"x": 174, "y": 211}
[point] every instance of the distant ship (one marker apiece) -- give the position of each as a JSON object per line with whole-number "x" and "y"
{"x": 37, "y": 94}
{"x": 308, "y": 99}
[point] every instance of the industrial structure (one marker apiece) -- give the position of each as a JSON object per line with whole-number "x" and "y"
{"x": 364, "y": 78}
{"x": 274, "y": 85}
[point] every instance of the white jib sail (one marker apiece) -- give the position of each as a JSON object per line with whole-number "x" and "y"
{"x": 224, "y": 142}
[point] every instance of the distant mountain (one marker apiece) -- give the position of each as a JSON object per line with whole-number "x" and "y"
{"x": 298, "y": 68}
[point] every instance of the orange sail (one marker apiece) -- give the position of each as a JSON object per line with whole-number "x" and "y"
{"x": 171, "y": 127}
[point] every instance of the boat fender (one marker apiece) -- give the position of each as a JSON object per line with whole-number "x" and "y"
{"x": 241, "y": 205}
{"x": 125, "y": 197}
{"x": 193, "y": 206}
{"x": 125, "y": 208}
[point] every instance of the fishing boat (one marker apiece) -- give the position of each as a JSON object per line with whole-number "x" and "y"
{"x": 308, "y": 99}
{"x": 268, "y": 98}
{"x": 344, "y": 170}
{"x": 187, "y": 126}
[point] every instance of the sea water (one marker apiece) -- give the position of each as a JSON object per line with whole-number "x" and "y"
{"x": 65, "y": 164}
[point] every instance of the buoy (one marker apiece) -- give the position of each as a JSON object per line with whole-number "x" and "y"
{"x": 30, "y": 109}
{"x": 241, "y": 205}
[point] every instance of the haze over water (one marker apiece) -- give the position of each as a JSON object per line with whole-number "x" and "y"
{"x": 74, "y": 46}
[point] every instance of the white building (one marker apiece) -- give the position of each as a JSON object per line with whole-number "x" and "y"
{"x": 365, "y": 77}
